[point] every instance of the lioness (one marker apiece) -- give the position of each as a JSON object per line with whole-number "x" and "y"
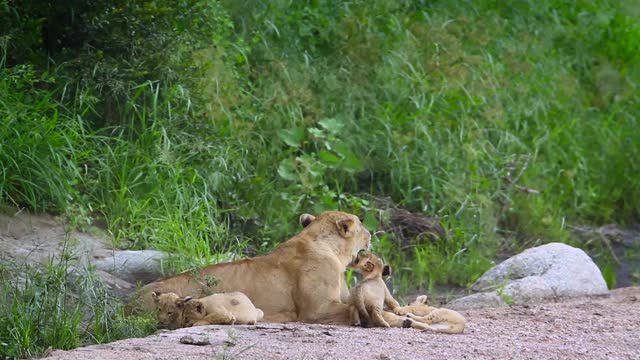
{"x": 305, "y": 220}
{"x": 371, "y": 294}
{"x": 439, "y": 320}
{"x": 224, "y": 308}
{"x": 299, "y": 281}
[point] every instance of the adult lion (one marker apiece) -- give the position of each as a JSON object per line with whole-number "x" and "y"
{"x": 301, "y": 280}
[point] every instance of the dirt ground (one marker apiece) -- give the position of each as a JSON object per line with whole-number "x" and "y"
{"x": 596, "y": 328}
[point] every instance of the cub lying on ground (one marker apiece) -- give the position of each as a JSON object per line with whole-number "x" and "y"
{"x": 227, "y": 308}
{"x": 169, "y": 310}
{"x": 371, "y": 294}
{"x": 430, "y": 318}
{"x": 224, "y": 308}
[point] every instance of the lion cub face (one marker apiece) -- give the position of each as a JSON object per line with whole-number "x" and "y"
{"x": 170, "y": 307}
{"x": 193, "y": 311}
{"x": 370, "y": 265}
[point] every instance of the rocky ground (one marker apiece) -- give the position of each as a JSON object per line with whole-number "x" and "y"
{"x": 592, "y": 328}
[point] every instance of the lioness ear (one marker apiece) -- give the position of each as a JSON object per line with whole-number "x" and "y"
{"x": 155, "y": 296}
{"x": 306, "y": 219}
{"x": 422, "y": 299}
{"x": 368, "y": 266}
{"x": 386, "y": 270}
{"x": 347, "y": 227}
{"x": 199, "y": 307}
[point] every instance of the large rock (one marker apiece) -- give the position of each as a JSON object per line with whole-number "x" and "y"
{"x": 549, "y": 271}
{"x": 35, "y": 239}
{"x": 133, "y": 266}
{"x": 477, "y": 301}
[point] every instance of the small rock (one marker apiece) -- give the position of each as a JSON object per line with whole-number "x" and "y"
{"x": 198, "y": 340}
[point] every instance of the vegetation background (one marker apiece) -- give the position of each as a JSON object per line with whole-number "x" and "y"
{"x": 204, "y": 128}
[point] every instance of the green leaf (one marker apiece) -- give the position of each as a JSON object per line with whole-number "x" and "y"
{"x": 350, "y": 160}
{"x": 332, "y": 125}
{"x": 328, "y": 158}
{"x": 287, "y": 170}
{"x": 370, "y": 222}
{"x": 292, "y": 137}
{"x": 316, "y": 132}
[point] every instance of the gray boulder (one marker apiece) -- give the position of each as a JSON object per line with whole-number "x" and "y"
{"x": 132, "y": 266}
{"x": 550, "y": 271}
{"x": 37, "y": 239}
{"x": 477, "y": 301}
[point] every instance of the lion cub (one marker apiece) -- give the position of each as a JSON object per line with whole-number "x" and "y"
{"x": 430, "y": 318}
{"x": 170, "y": 307}
{"x": 224, "y": 308}
{"x": 371, "y": 294}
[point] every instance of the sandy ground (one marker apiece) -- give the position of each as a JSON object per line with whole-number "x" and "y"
{"x": 603, "y": 328}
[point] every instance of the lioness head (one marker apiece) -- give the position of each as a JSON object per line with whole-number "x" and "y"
{"x": 193, "y": 311}
{"x": 170, "y": 307}
{"x": 352, "y": 236}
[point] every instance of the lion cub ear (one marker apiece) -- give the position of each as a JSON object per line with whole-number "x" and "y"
{"x": 180, "y": 302}
{"x": 347, "y": 227}
{"x": 155, "y": 296}
{"x": 422, "y": 299}
{"x": 306, "y": 219}
{"x": 386, "y": 270}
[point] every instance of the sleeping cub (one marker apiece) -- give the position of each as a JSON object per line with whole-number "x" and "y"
{"x": 223, "y": 308}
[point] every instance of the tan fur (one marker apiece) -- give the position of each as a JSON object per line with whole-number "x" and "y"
{"x": 371, "y": 294}
{"x": 430, "y": 318}
{"x": 305, "y": 220}
{"x": 301, "y": 280}
{"x": 224, "y": 308}
{"x": 169, "y": 310}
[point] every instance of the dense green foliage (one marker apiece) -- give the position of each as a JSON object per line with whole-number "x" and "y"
{"x": 205, "y": 128}
{"x": 60, "y": 308}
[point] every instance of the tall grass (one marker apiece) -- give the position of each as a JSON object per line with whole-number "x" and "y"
{"x": 41, "y": 146}
{"x": 61, "y": 307}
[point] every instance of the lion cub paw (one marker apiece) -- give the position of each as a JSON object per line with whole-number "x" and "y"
{"x": 232, "y": 320}
{"x": 400, "y": 311}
